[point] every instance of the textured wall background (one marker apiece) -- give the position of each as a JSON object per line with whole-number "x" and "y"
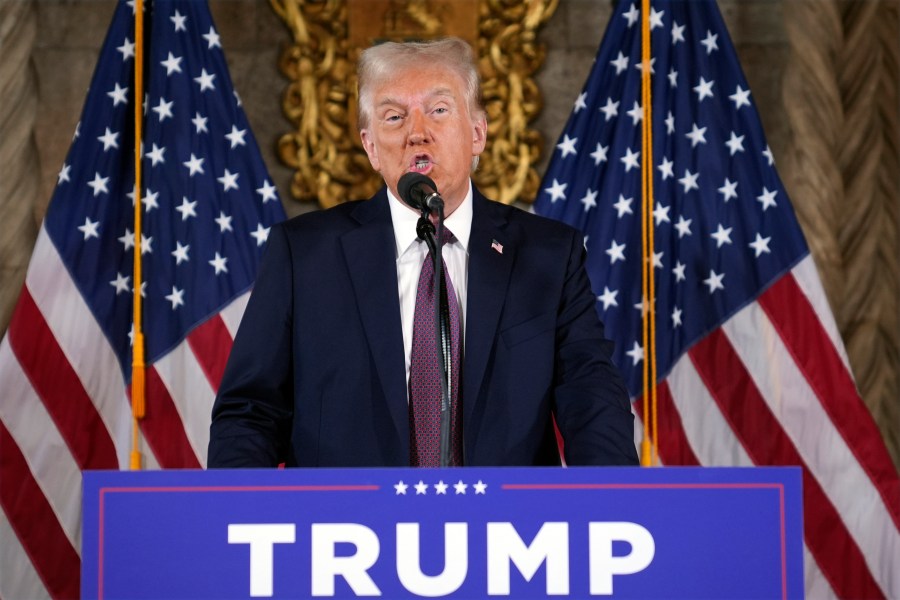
{"x": 824, "y": 75}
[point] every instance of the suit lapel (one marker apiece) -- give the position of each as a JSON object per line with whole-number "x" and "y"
{"x": 369, "y": 252}
{"x": 491, "y": 256}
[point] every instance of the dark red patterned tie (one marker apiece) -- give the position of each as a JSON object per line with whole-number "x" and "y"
{"x": 425, "y": 374}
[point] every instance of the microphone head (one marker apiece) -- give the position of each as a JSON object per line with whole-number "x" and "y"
{"x": 410, "y": 189}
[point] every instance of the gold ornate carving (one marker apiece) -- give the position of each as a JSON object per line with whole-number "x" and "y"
{"x": 509, "y": 56}
{"x": 320, "y": 100}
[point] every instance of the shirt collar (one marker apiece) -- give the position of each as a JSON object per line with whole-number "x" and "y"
{"x": 404, "y": 219}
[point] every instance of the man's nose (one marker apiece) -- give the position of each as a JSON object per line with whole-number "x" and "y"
{"x": 418, "y": 129}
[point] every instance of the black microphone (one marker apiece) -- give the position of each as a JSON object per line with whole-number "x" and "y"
{"x": 419, "y": 191}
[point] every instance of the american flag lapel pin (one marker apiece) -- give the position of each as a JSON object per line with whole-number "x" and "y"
{"x": 497, "y": 246}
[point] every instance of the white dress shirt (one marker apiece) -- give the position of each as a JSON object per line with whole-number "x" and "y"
{"x": 411, "y": 252}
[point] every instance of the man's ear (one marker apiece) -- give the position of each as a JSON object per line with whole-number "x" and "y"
{"x": 479, "y": 134}
{"x": 369, "y": 146}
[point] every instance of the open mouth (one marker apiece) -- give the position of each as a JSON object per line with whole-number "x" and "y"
{"x": 421, "y": 164}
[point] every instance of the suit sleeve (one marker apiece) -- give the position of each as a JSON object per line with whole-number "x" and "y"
{"x": 251, "y": 417}
{"x": 593, "y": 410}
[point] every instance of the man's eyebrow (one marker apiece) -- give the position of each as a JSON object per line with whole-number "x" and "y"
{"x": 387, "y": 102}
{"x": 441, "y": 92}
{"x": 437, "y": 92}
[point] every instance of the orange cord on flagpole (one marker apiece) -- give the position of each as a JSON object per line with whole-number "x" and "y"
{"x": 650, "y": 441}
{"x": 138, "y": 385}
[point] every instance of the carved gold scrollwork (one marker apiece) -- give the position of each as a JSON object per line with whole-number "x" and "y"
{"x": 320, "y": 100}
{"x": 509, "y": 56}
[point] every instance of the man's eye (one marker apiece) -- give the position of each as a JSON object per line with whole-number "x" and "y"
{"x": 392, "y": 118}
{"x": 441, "y": 110}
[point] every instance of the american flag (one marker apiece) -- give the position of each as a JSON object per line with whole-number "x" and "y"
{"x": 752, "y": 369}
{"x": 65, "y": 362}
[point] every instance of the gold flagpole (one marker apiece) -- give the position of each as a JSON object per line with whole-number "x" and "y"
{"x": 650, "y": 441}
{"x": 138, "y": 385}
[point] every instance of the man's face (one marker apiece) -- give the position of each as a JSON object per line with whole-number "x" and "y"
{"x": 420, "y": 122}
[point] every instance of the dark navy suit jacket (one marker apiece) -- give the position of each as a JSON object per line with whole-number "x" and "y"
{"x": 317, "y": 373}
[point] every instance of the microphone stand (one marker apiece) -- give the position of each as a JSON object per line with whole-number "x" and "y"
{"x": 426, "y": 231}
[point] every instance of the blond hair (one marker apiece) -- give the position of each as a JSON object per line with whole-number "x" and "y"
{"x": 378, "y": 63}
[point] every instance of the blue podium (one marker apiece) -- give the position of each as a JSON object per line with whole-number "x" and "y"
{"x": 460, "y": 533}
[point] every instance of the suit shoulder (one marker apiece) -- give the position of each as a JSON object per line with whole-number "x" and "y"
{"x": 532, "y": 224}
{"x": 318, "y": 222}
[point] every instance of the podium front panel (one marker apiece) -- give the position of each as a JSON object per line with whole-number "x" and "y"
{"x": 461, "y": 533}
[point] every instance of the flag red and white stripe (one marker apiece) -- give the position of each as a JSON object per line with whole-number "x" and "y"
{"x": 733, "y": 401}
{"x": 66, "y": 409}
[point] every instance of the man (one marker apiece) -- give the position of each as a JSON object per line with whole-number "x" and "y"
{"x": 324, "y": 367}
